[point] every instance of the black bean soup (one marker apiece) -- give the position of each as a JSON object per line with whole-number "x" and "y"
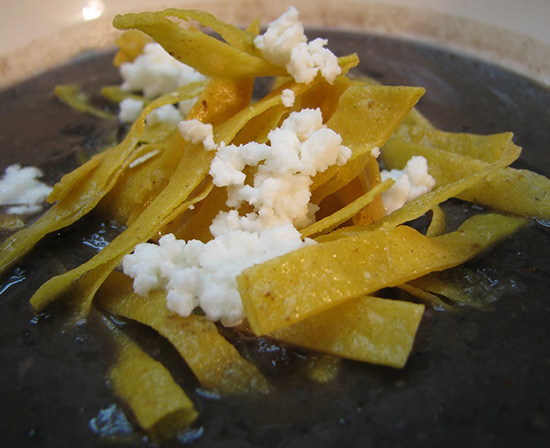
{"x": 475, "y": 377}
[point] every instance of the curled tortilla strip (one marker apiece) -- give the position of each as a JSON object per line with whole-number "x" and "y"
{"x": 508, "y": 190}
{"x": 298, "y": 285}
{"x": 438, "y": 224}
{"x": 428, "y": 201}
{"x": 215, "y": 362}
{"x": 346, "y": 212}
{"x": 236, "y": 57}
{"x": 159, "y": 405}
{"x": 369, "y": 329}
{"x": 74, "y": 97}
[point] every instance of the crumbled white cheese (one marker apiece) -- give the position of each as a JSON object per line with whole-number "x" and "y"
{"x": 21, "y": 190}
{"x": 410, "y": 183}
{"x": 129, "y": 110}
{"x": 204, "y": 274}
{"x": 280, "y": 188}
{"x": 284, "y": 43}
{"x": 306, "y": 60}
{"x": 288, "y": 97}
{"x": 281, "y": 36}
{"x": 167, "y": 114}
{"x": 194, "y": 131}
{"x": 375, "y": 152}
{"x": 156, "y": 73}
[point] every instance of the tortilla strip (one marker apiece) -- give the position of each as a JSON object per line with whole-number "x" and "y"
{"x": 159, "y": 405}
{"x": 208, "y": 55}
{"x": 509, "y": 190}
{"x": 215, "y": 362}
{"x": 298, "y": 285}
{"x": 369, "y": 329}
{"x": 428, "y": 201}
{"x": 346, "y": 212}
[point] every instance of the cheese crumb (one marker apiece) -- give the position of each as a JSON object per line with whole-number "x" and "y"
{"x": 284, "y": 43}
{"x": 410, "y": 183}
{"x": 129, "y": 110}
{"x": 21, "y": 190}
{"x": 288, "y": 97}
{"x": 194, "y": 131}
{"x": 156, "y": 73}
{"x": 167, "y": 114}
{"x": 280, "y": 189}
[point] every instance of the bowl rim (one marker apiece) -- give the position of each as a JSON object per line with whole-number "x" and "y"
{"x": 521, "y": 54}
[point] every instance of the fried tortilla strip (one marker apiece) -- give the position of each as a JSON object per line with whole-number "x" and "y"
{"x": 365, "y": 118}
{"x": 428, "y": 201}
{"x": 509, "y": 190}
{"x": 298, "y": 285}
{"x": 215, "y": 362}
{"x": 461, "y": 285}
{"x": 427, "y": 297}
{"x": 369, "y": 329}
{"x": 236, "y": 57}
{"x": 159, "y": 405}
{"x": 130, "y": 45}
{"x": 138, "y": 186}
{"x": 488, "y": 148}
{"x": 346, "y": 212}
{"x": 438, "y": 224}
{"x": 115, "y": 94}
{"x": 73, "y": 96}
{"x": 112, "y": 159}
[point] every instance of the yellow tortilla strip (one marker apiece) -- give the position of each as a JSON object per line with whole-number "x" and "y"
{"x": 205, "y": 53}
{"x": 130, "y": 45}
{"x": 488, "y": 148}
{"x": 74, "y": 97}
{"x": 159, "y": 405}
{"x": 214, "y": 361}
{"x": 438, "y": 224}
{"x": 365, "y": 118}
{"x": 428, "y": 201}
{"x": 509, "y": 190}
{"x": 346, "y": 212}
{"x": 298, "y": 285}
{"x": 369, "y": 329}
